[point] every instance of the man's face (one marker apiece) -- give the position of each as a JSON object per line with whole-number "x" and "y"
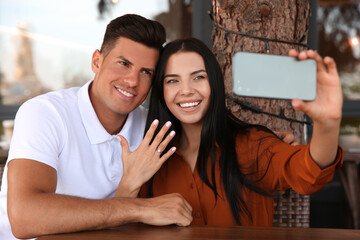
{"x": 122, "y": 79}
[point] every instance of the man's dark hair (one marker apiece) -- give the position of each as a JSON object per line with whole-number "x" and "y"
{"x": 137, "y": 28}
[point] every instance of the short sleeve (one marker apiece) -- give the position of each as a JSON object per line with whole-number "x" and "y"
{"x": 39, "y": 132}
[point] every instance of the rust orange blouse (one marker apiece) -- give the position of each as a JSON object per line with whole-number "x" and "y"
{"x": 289, "y": 167}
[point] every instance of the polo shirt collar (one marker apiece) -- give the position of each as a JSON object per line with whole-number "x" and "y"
{"x": 95, "y": 130}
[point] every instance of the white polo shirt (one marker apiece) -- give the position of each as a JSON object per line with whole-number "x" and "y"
{"x": 61, "y": 129}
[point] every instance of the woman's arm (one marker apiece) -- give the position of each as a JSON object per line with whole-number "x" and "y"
{"x": 325, "y": 110}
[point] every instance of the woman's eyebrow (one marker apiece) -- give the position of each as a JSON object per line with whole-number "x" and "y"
{"x": 171, "y": 75}
{"x": 176, "y": 75}
{"x": 198, "y": 71}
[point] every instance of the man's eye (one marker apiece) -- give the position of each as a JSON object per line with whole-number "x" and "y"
{"x": 147, "y": 72}
{"x": 123, "y": 63}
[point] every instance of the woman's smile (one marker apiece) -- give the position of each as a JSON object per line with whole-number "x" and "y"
{"x": 186, "y": 87}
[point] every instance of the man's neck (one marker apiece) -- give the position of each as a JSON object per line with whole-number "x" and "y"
{"x": 113, "y": 123}
{"x": 113, "y": 126}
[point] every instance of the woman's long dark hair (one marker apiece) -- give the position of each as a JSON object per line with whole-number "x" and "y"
{"x": 219, "y": 126}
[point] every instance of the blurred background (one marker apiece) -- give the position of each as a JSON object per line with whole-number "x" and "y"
{"x": 47, "y": 45}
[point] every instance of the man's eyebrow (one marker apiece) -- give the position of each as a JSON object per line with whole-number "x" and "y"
{"x": 130, "y": 63}
{"x": 125, "y": 60}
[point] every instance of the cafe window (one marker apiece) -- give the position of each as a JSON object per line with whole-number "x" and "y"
{"x": 46, "y": 46}
{"x": 338, "y": 37}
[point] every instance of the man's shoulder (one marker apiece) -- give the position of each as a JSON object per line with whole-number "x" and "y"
{"x": 59, "y": 98}
{"x": 51, "y": 105}
{"x": 59, "y": 95}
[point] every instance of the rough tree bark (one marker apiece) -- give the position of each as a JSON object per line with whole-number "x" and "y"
{"x": 274, "y": 19}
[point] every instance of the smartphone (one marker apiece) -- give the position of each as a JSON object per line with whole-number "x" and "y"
{"x": 273, "y": 76}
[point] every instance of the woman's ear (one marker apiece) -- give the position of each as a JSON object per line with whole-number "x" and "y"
{"x": 96, "y": 61}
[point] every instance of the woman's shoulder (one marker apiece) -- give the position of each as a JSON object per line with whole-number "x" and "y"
{"x": 255, "y": 133}
{"x": 252, "y": 143}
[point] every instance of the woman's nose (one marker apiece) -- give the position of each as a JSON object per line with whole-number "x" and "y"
{"x": 186, "y": 88}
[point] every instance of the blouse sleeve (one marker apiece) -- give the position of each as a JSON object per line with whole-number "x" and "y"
{"x": 275, "y": 165}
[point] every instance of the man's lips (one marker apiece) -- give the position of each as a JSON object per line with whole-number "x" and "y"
{"x": 127, "y": 94}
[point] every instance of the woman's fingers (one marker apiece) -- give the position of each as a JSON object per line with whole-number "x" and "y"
{"x": 160, "y": 136}
{"x": 150, "y": 133}
{"x": 319, "y": 60}
{"x": 161, "y": 147}
{"x": 331, "y": 65}
{"x": 293, "y": 53}
{"x": 166, "y": 155}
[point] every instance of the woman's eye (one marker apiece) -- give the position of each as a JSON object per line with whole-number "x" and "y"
{"x": 199, "y": 77}
{"x": 171, "y": 81}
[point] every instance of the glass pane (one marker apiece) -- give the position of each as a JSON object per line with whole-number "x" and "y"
{"x": 350, "y": 134}
{"x": 47, "y": 45}
{"x": 338, "y": 37}
{"x": 339, "y": 31}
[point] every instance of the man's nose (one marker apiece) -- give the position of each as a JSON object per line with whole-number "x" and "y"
{"x": 132, "y": 78}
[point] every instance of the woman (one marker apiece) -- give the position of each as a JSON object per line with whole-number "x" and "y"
{"x": 224, "y": 168}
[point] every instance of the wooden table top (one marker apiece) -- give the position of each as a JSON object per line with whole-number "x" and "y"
{"x": 140, "y": 231}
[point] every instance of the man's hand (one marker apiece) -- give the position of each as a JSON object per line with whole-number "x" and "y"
{"x": 32, "y": 199}
{"x": 139, "y": 166}
{"x": 287, "y": 137}
{"x": 166, "y": 209}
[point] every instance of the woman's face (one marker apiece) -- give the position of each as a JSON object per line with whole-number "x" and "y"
{"x": 186, "y": 87}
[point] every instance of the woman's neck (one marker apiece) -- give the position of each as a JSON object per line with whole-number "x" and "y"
{"x": 189, "y": 143}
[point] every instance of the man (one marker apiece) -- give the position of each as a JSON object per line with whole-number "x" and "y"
{"x": 64, "y": 164}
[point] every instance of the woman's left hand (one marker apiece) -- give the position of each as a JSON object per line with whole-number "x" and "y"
{"x": 326, "y": 108}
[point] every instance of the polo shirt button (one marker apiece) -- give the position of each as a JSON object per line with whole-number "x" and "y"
{"x": 197, "y": 214}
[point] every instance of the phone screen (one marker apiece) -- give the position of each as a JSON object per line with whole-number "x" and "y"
{"x": 273, "y": 76}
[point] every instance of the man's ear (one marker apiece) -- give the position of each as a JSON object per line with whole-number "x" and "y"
{"x": 96, "y": 61}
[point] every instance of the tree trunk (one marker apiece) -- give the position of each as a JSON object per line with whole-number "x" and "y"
{"x": 286, "y": 20}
